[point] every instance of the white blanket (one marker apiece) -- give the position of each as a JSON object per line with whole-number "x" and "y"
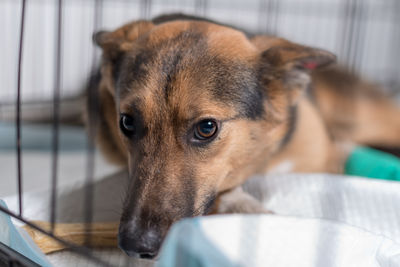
{"x": 319, "y": 220}
{"x": 330, "y": 221}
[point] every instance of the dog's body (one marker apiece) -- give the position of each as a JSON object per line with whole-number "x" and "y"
{"x": 194, "y": 108}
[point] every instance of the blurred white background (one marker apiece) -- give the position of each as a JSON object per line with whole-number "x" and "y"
{"x": 365, "y": 34}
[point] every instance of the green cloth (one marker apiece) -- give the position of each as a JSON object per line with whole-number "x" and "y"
{"x": 368, "y": 162}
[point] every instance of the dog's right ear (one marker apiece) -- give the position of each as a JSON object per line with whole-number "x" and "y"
{"x": 289, "y": 63}
{"x": 121, "y": 40}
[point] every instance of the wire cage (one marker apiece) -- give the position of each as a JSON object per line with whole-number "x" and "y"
{"x": 47, "y": 56}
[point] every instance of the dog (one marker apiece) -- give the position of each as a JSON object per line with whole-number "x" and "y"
{"x": 193, "y": 108}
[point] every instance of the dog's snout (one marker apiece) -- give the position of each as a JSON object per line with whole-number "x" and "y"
{"x": 139, "y": 243}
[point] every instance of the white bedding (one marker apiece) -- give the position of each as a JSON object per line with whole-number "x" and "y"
{"x": 320, "y": 220}
{"x": 324, "y": 220}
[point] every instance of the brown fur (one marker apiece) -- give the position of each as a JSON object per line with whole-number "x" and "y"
{"x": 355, "y": 110}
{"x": 169, "y": 76}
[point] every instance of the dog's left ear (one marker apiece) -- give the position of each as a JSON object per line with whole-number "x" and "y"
{"x": 289, "y": 62}
{"x": 117, "y": 42}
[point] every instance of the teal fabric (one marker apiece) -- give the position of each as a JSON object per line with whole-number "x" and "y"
{"x": 10, "y": 236}
{"x": 368, "y": 162}
{"x": 187, "y": 246}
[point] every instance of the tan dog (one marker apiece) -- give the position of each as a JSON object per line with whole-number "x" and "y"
{"x": 193, "y": 108}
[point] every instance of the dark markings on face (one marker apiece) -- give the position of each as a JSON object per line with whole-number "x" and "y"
{"x": 169, "y": 69}
{"x": 235, "y": 83}
{"x": 209, "y": 203}
{"x": 164, "y": 58}
{"x": 141, "y": 128}
{"x": 177, "y": 53}
{"x": 238, "y": 84}
{"x": 188, "y": 192}
{"x": 291, "y": 127}
{"x": 137, "y": 67}
{"x": 117, "y": 64}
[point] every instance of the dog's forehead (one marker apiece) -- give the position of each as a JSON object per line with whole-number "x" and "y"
{"x": 193, "y": 68}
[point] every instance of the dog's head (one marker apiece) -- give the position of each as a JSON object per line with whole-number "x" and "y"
{"x": 193, "y": 108}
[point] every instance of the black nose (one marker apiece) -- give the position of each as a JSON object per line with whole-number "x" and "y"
{"x": 139, "y": 243}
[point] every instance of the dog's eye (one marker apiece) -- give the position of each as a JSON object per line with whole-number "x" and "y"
{"x": 127, "y": 125}
{"x": 205, "y": 129}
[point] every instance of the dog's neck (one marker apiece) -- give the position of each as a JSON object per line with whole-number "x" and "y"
{"x": 310, "y": 148}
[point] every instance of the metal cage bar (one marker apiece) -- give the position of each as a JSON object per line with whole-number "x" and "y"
{"x": 93, "y": 108}
{"x": 18, "y": 105}
{"x": 56, "y": 115}
{"x": 9, "y": 257}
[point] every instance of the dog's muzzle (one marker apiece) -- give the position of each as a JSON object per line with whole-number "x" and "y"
{"x": 139, "y": 242}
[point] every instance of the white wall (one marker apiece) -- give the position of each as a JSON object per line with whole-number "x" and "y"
{"x": 317, "y": 23}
